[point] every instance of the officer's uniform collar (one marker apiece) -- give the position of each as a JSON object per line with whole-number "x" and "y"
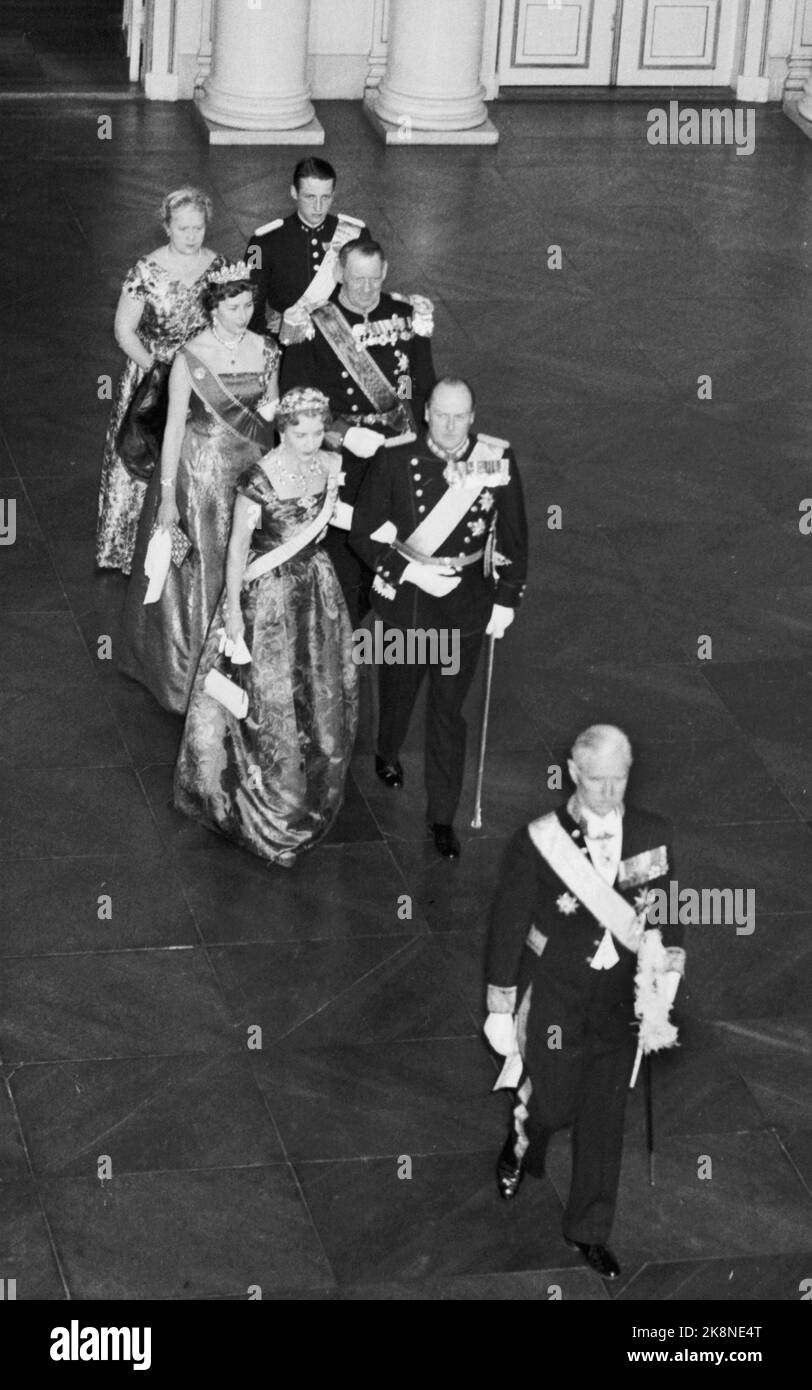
{"x": 311, "y": 231}
{"x": 449, "y": 457}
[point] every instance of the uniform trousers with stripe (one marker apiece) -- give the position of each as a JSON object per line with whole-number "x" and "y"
{"x": 583, "y": 1082}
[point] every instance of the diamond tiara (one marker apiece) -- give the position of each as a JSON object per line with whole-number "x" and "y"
{"x": 238, "y": 271}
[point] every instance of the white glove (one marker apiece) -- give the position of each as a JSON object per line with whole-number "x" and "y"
{"x": 422, "y": 315}
{"x": 501, "y": 618}
{"x": 235, "y": 652}
{"x": 363, "y": 442}
{"x": 500, "y": 1030}
{"x": 671, "y": 985}
{"x": 156, "y": 564}
{"x": 342, "y": 516}
{"x": 431, "y": 579}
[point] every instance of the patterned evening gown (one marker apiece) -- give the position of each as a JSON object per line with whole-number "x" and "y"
{"x": 173, "y": 313}
{"x": 274, "y": 781}
{"x": 163, "y": 640}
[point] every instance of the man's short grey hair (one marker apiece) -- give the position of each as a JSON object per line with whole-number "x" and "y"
{"x": 600, "y": 736}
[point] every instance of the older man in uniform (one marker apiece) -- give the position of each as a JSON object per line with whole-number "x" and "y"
{"x": 370, "y": 353}
{"x": 293, "y": 257}
{"x": 441, "y": 521}
{"x": 567, "y": 923}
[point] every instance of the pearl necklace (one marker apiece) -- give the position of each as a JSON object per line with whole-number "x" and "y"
{"x": 231, "y": 348}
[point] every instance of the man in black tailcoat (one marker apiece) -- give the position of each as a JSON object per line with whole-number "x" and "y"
{"x": 566, "y": 926}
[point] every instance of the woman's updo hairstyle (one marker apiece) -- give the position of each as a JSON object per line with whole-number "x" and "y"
{"x": 186, "y": 197}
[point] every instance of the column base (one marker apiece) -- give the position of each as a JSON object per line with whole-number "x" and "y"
{"x": 750, "y": 88}
{"x": 161, "y": 86}
{"x": 310, "y": 134}
{"x": 405, "y": 134}
{"x": 790, "y": 107}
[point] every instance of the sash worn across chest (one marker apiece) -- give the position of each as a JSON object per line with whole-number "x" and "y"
{"x": 324, "y": 281}
{"x": 480, "y": 470}
{"x": 578, "y": 873}
{"x": 272, "y": 559}
{"x": 361, "y": 366}
{"x": 236, "y": 416}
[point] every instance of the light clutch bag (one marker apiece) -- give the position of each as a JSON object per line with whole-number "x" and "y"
{"x": 225, "y": 689}
{"x": 181, "y": 545}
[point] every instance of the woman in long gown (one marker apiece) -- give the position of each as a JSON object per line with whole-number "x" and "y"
{"x": 219, "y": 384}
{"x": 273, "y": 781}
{"x": 159, "y": 309}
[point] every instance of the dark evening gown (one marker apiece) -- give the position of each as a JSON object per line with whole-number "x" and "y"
{"x": 173, "y": 313}
{"x": 163, "y": 640}
{"x": 274, "y": 781}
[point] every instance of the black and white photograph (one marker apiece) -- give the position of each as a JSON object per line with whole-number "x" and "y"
{"x": 406, "y": 663}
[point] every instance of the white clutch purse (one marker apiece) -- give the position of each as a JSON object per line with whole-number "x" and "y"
{"x": 227, "y": 693}
{"x": 220, "y": 684}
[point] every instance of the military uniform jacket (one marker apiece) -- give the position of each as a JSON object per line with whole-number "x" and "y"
{"x": 285, "y": 259}
{"x": 402, "y": 485}
{"x": 386, "y": 332}
{"x": 537, "y": 925}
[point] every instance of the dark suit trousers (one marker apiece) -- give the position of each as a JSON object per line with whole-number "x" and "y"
{"x": 583, "y": 1083}
{"x": 445, "y": 727}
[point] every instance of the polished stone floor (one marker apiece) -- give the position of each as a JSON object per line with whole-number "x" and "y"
{"x": 126, "y": 1039}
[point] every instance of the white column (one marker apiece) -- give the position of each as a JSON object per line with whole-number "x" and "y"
{"x": 753, "y": 84}
{"x": 256, "y": 92}
{"x": 133, "y": 23}
{"x": 799, "y": 71}
{"x": 431, "y": 93}
{"x": 805, "y": 104}
{"x": 376, "y": 68}
{"x": 204, "y": 48}
{"x": 160, "y": 78}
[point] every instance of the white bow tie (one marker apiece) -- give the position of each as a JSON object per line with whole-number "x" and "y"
{"x": 602, "y": 827}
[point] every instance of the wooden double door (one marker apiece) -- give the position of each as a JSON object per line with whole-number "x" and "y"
{"x": 626, "y": 43}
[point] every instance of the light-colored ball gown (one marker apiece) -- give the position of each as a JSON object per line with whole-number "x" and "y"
{"x": 224, "y": 434}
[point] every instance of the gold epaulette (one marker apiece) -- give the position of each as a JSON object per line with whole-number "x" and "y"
{"x": 269, "y": 226}
{"x": 492, "y": 439}
{"x": 355, "y": 221}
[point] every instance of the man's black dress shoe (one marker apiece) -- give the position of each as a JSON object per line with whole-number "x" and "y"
{"x": 509, "y": 1170}
{"x": 391, "y": 774}
{"x": 445, "y": 840}
{"x": 509, "y": 1181}
{"x": 599, "y": 1257}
